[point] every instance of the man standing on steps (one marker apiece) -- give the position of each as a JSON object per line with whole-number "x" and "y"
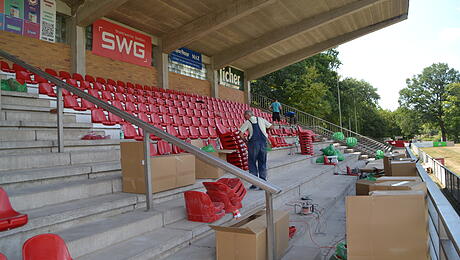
{"x": 257, "y": 144}
{"x": 276, "y": 109}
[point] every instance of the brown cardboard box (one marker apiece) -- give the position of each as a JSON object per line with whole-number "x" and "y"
{"x": 398, "y": 185}
{"x": 248, "y": 239}
{"x": 387, "y": 225}
{"x": 402, "y": 168}
{"x": 207, "y": 171}
{"x": 389, "y": 157}
{"x": 168, "y": 171}
{"x": 363, "y": 187}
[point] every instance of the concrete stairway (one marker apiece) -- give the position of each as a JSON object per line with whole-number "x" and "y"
{"x": 77, "y": 193}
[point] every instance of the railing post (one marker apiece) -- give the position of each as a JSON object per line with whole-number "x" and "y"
{"x": 147, "y": 170}
{"x": 271, "y": 245}
{"x": 60, "y": 120}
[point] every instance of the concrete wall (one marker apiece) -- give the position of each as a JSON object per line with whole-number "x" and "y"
{"x": 57, "y": 56}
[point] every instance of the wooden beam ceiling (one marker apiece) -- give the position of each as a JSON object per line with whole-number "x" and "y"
{"x": 284, "y": 33}
{"x": 209, "y": 23}
{"x": 91, "y": 10}
{"x": 296, "y": 56}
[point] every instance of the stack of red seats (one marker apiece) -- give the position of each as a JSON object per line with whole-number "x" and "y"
{"x": 306, "y": 141}
{"x": 231, "y": 140}
{"x": 200, "y": 208}
{"x": 9, "y": 218}
{"x": 229, "y": 191}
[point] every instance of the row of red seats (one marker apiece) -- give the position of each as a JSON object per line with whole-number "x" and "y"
{"x": 278, "y": 141}
{"x": 283, "y": 131}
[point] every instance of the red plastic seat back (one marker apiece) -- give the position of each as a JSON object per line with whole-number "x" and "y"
{"x": 3, "y": 257}
{"x": 6, "y": 210}
{"x": 45, "y": 246}
{"x": 164, "y": 148}
{"x": 200, "y": 207}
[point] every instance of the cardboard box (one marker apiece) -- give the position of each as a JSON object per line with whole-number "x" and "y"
{"x": 387, "y": 225}
{"x": 389, "y": 157}
{"x": 168, "y": 171}
{"x": 398, "y": 185}
{"x": 403, "y": 168}
{"x": 248, "y": 239}
{"x": 363, "y": 187}
{"x": 206, "y": 171}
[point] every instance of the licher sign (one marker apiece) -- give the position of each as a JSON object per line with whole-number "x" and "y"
{"x": 231, "y": 77}
{"x": 120, "y": 43}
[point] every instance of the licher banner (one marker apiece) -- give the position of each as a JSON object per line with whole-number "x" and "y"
{"x": 120, "y": 43}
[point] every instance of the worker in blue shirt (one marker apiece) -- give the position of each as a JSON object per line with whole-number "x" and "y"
{"x": 276, "y": 109}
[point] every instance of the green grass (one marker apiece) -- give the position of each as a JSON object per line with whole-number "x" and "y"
{"x": 451, "y": 155}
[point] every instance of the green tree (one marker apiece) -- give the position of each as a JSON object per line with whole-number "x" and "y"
{"x": 305, "y": 85}
{"x": 391, "y": 128}
{"x": 452, "y": 106}
{"x": 408, "y": 122}
{"x": 426, "y": 94}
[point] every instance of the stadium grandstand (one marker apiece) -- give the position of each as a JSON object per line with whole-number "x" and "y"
{"x": 119, "y": 138}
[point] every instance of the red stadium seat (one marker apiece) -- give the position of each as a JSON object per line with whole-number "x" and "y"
{"x": 25, "y": 76}
{"x": 204, "y": 121}
{"x": 121, "y": 83}
{"x": 204, "y": 134}
{"x": 5, "y": 67}
{"x": 194, "y": 133}
{"x": 142, "y": 108}
{"x": 17, "y": 68}
{"x": 195, "y": 121}
{"x": 212, "y": 132}
{"x": 183, "y": 131}
{"x": 119, "y": 97}
{"x": 110, "y": 88}
{"x": 164, "y": 148}
{"x": 64, "y": 75}
{"x": 71, "y": 102}
{"x": 186, "y": 121}
{"x": 46, "y": 89}
{"x": 156, "y": 120}
{"x": 45, "y": 246}
{"x": 77, "y": 76}
{"x": 129, "y": 85}
{"x": 177, "y": 121}
{"x": 94, "y": 93}
{"x": 130, "y": 98}
{"x": 98, "y": 116}
{"x": 98, "y": 86}
{"x": 106, "y": 95}
{"x": 130, "y": 107}
{"x": 143, "y": 117}
{"x": 101, "y": 80}
{"x": 111, "y": 82}
{"x": 87, "y": 105}
{"x": 90, "y": 78}
{"x": 51, "y": 72}
{"x": 228, "y": 191}
{"x": 9, "y": 218}
{"x": 115, "y": 119}
{"x": 85, "y": 85}
{"x": 200, "y": 208}
{"x": 130, "y": 132}
{"x": 167, "y": 120}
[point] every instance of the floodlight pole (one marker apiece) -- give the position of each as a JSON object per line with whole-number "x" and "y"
{"x": 340, "y": 107}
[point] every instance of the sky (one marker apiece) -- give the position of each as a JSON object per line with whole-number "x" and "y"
{"x": 386, "y": 58}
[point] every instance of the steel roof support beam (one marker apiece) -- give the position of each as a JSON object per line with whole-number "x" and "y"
{"x": 91, "y": 10}
{"x": 287, "y": 32}
{"x": 209, "y": 23}
{"x": 296, "y": 56}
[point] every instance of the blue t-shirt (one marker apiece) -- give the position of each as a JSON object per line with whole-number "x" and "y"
{"x": 276, "y": 106}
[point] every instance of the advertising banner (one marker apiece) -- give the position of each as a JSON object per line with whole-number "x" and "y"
{"x": 231, "y": 77}
{"x": 120, "y": 43}
{"x": 32, "y": 18}
{"x": 2, "y": 6}
{"x": 187, "y": 57}
{"x": 2, "y": 21}
{"x": 47, "y": 20}
{"x": 14, "y": 13}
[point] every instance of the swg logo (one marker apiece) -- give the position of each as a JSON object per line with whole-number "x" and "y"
{"x": 114, "y": 42}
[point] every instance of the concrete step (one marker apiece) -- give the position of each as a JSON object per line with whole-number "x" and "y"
{"x": 23, "y": 99}
{"x": 349, "y": 150}
{"x": 14, "y": 107}
{"x": 35, "y": 125}
{"x": 29, "y": 161}
{"x": 25, "y": 178}
{"x": 35, "y": 116}
{"x": 49, "y": 194}
{"x": 42, "y": 135}
{"x": 28, "y": 147}
{"x": 94, "y": 236}
{"x": 50, "y": 219}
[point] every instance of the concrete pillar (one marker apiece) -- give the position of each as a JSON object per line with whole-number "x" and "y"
{"x": 78, "y": 47}
{"x": 247, "y": 92}
{"x": 162, "y": 61}
{"x": 213, "y": 76}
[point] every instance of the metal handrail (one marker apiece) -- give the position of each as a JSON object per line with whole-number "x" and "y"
{"x": 313, "y": 121}
{"x": 444, "y": 222}
{"x": 148, "y": 129}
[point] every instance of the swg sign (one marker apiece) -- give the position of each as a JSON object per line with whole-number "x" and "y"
{"x": 119, "y": 43}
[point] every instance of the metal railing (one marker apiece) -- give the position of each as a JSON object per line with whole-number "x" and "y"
{"x": 449, "y": 181}
{"x": 321, "y": 126}
{"x": 443, "y": 220}
{"x": 148, "y": 129}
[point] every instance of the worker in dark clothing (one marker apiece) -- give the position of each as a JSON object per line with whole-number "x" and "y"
{"x": 257, "y": 144}
{"x": 292, "y": 117}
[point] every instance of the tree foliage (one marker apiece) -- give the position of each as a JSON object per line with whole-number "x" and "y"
{"x": 426, "y": 94}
